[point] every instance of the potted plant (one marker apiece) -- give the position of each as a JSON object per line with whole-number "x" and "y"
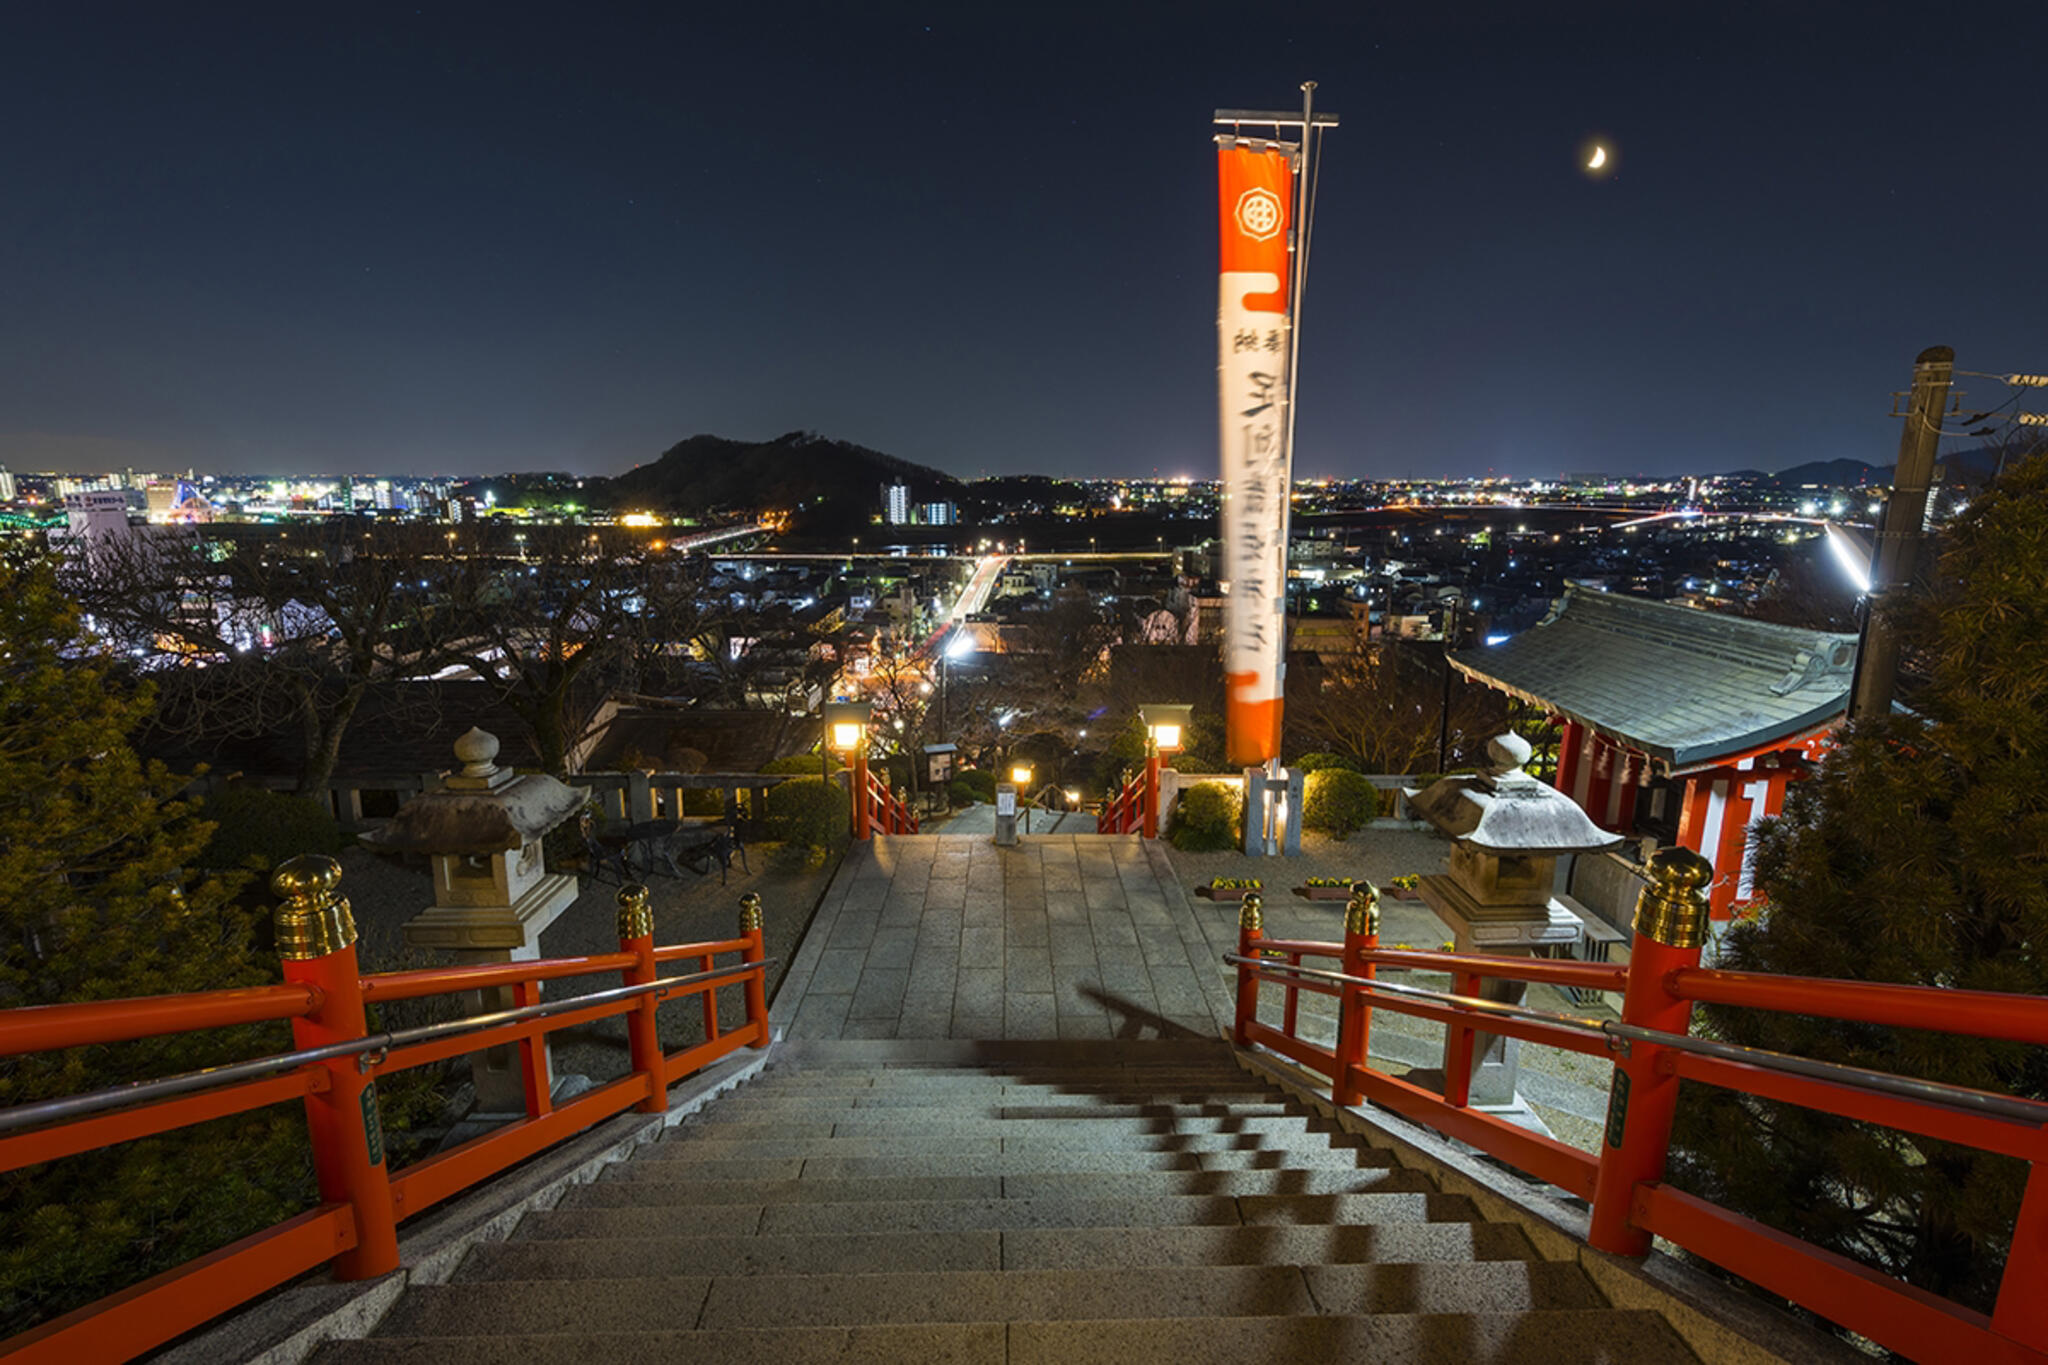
{"x": 1228, "y": 888}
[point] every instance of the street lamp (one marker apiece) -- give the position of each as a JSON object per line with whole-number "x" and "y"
{"x": 1166, "y": 728}
{"x": 846, "y": 733}
{"x": 1020, "y": 778}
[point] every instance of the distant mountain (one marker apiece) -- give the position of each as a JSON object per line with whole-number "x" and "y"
{"x": 1844, "y": 473}
{"x": 708, "y": 473}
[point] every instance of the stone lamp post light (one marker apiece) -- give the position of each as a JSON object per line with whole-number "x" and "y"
{"x": 482, "y": 832}
{"x": 1507, "y": 830}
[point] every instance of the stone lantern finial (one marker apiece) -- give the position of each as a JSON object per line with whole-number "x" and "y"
{"x": 1508, "y": 753}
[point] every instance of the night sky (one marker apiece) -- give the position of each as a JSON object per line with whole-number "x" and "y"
{"x": 304, "y": 238}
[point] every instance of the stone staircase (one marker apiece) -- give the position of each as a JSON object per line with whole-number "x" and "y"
{"x": 1054, "y": 1202}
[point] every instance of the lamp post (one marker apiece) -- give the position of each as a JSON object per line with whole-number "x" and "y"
{"x": 1020, "y": 778}
{"x": 1166, "y": 727}
{"x": 846, "y": 733}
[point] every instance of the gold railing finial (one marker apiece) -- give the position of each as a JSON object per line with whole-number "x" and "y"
{"x": 314, "y": 919}
{"x": 1251, "y": 915}
{"x": 1362, "y": 911}
{"x": 1672, "y": 908}
{"x": 636, "y": 912}
{"x": 750, "y": 912}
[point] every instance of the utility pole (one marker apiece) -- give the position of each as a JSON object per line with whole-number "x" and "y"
{"x": 1895, "y": 556}
{"x": 1443, "y": 715}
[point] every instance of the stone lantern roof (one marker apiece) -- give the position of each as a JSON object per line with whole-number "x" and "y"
{"x": 1506, "y": 811}
{"x": 481, "y": 809}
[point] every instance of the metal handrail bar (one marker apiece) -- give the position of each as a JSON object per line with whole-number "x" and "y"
{"x": 1618, "y": 1033}
{"x": 120, "y": 1096}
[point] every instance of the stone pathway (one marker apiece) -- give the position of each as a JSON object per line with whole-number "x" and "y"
{"x": 1097, "y": 936}
{"x": 1064, "y": 936}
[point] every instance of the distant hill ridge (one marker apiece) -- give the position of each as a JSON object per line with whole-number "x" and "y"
{"x": 706, "y": 472}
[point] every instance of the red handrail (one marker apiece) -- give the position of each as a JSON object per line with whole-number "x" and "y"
{"x": 1125, "y": 814}
{"x": 1624, "y": 1182}
{"x": 362, "y": 1200}
{"x": 888, "y": 814}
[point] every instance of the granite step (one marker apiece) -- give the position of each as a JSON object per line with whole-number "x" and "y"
{"x": 916, "y": 1108}
{"x": 608, "y": 1247}
{"x": 1542, "y": 1337}
{"x": 509, "y": 1308}
{"x": 666, "y": 1210}
{"x": 959, "y": 1159}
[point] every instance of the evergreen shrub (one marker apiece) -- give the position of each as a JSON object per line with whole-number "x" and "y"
{"x": 1205, "y": 819}
{"x": 979, "y": 783}
{"x": 256, "y": 829}
{"x": 803, "y": 765}
{"x": 1913, "y": 855}
{"x": 1338, "y": 801}
{"x": 810, "y": 817}
{"x": 1323, "y": 760}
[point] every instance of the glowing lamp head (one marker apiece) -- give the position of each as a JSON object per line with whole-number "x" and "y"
{"x": 846, "y": 725}
{"x": 1021, "y": 775}
{"x": 1166, "y": 726}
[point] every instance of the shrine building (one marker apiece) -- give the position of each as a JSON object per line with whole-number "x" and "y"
{"x": 1677, "y": 722}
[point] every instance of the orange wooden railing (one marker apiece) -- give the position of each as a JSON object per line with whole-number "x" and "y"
{"x": 1125, "y": 813}
{"x": 1624, "y": 1181}
{"x": 886, "y": 813}
{"x": 362, "y": 1200}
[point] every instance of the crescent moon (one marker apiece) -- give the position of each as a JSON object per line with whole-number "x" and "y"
{"x": 1599, "y": 159}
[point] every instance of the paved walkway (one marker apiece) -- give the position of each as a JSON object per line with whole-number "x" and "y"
{"x": 1064, "y": 936}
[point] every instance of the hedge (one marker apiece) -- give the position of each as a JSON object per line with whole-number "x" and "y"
{"x": 258, "y": 829}
{"x": 1205, "y": 820}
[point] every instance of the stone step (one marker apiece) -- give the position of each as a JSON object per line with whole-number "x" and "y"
{"x": 1543, "y": 1337}
{"x": 980, "y": 1343}
{"x": 918, "y": 1097}
{"x": 610, "y": 1256}
{"x": 1539, "y": 1337}
{"x": 507, "y": 1308}
{"x": 605, "y": 1250}
{"x": 661, "y": 1209}
{"x": 1284, "y": 1125}
{"x": 912, "y": 1109}
{"x": 714, "y": 1193}
{"x": 950, "y": 1084}
{"x": 817, "y": 1159}
{"x": 616, "y": 1194}
{"x": 718, "y": 1144}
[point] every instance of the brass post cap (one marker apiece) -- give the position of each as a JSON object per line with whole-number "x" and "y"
{"x": 313, "y": 920}
{"x": 1251, "y": 914}
{"x": 636, "y": 914}
{"x": 1362, "y": 911}
{"x": 1672, "y": 908}
{"x": 308, "y": 875}
{"x": 750, "y": 912}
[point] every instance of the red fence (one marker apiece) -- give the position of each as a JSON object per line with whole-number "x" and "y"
{"x": 362, "y": 1201}
{"x": 1624, "y": 1182}
{"x": 886, "y": 814}
{"x": 1125, "y": 813}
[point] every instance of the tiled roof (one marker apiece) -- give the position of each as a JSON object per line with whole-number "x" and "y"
{"x": 1685, "y": 686}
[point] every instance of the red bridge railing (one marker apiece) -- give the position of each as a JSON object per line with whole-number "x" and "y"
{"x": 1125, "y": 813}
{"x": 886, "y": 813}
{"x": 1652, "y": 1053}
{"x": 334, "y": 1073}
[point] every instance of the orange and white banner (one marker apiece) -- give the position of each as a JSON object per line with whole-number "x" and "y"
{"x": 1256, "y": 197}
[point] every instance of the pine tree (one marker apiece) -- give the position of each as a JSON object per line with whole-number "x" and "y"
{"x": 98, "y": 904}
{"x": 1918, "y": 854}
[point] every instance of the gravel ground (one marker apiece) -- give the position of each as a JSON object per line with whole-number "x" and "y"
{"x": 386, "y": 891}
{"x": 1567, "y": 1090}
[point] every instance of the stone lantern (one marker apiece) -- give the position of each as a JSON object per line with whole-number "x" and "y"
{"x": 482, "y": 833}
{"x": 1507, "y": 831}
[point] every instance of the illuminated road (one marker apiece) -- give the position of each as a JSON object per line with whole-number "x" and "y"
{"x": 974, "y": 597}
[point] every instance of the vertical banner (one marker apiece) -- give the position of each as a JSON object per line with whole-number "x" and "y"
{"x": 1255, "y": 195}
